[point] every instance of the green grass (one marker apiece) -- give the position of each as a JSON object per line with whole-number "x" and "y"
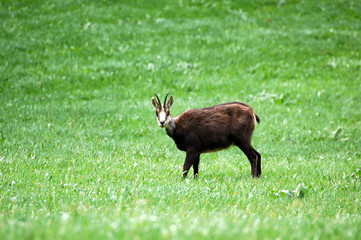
{"x": 82, "y": 157}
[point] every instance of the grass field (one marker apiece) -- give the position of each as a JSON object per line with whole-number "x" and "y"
{"x": 82, "y": 157}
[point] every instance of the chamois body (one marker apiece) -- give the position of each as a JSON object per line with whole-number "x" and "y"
{"x": 198, "y": 131}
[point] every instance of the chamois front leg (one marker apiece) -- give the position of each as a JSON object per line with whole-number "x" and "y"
{"x": 192, "y": 158}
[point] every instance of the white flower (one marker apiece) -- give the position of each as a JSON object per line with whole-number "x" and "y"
{"x": 65, "y": 216}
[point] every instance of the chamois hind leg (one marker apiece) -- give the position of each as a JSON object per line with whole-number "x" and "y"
{"x": 252, "y": 156}
{"x": 259, "y": 168}
{"x": 192, "y": 158}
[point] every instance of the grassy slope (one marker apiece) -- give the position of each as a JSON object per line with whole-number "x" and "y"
{"x": 80, "y": 151}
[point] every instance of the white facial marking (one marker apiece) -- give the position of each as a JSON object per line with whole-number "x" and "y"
{"x": 162, "y": 116}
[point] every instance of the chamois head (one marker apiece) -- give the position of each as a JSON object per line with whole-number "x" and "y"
{"x": 162, "y": 111}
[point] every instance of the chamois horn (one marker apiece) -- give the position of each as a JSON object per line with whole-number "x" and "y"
{"x": 165, "y": 99}
{"x": 157, "y": 98}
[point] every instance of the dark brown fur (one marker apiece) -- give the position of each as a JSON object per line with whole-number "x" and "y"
{"x": 211, "y": 129}
{"x": 198, "y": 131}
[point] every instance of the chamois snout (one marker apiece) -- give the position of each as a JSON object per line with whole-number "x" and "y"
{"x": 162, "y": 124}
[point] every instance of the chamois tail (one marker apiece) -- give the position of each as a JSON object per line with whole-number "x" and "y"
{"x": 257, "y": 118}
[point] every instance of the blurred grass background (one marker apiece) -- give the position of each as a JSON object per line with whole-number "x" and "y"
{"x": 81, "y": 153}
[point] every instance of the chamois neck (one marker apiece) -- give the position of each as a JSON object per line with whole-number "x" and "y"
{"x": 170, "y": 126}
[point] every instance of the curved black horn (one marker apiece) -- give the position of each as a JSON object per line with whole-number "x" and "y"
{"x": 157, "y": 98}
{"x": 165, "y": 99}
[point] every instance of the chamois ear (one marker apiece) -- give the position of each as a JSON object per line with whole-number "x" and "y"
{"x": 170, "y": 102}
{"x": 155, "y": 103}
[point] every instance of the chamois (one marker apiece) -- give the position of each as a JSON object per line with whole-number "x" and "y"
{"x": 210, "y": 129}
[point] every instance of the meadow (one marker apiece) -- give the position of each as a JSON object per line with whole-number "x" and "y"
{"x": 82, "y": 157}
